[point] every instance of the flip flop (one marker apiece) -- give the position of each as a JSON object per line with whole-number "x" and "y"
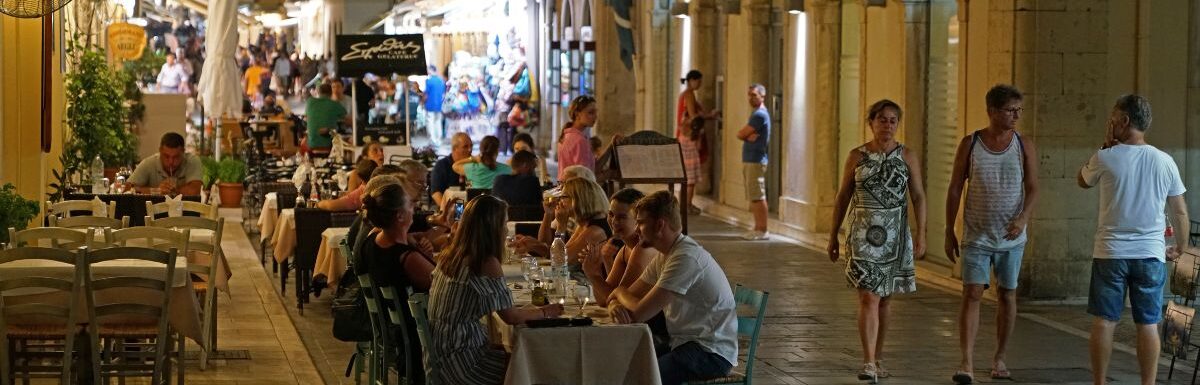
{"x": 962, "y": 378}
{"x": 1001, "y": 374}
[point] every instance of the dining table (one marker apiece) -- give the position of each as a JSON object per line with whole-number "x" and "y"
{"x": 331, "y": 263}
{"x": 183, "y": 308}
{"x": 604, "y": 353}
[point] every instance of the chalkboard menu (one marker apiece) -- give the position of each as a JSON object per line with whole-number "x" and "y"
{"x": 387, "y": 134}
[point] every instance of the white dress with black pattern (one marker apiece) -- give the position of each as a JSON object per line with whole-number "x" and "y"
{"x": 880, "y": 244}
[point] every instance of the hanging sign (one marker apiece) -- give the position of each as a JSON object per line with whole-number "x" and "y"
{"x": 389, "y": 134}
{"x": 126, "y": 41}
{"x": 380, "y": 54}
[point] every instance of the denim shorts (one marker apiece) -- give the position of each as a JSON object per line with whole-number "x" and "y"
{"x": 978, "y": 263}
{"x": 1142, "y": 278}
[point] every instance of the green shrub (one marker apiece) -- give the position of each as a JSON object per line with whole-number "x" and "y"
{"x": 17, "y": 210}
{"x": 231, "y": 170}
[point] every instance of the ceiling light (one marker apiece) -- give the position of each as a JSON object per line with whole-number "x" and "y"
{"x": 795, "y": 7}
{"x": 679, "y": 9}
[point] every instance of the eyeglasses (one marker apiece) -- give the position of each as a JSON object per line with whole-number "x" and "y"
{"x": 1014, "y": 110}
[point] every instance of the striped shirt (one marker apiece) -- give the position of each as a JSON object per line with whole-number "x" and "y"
{"x": 460, "y": 341}
{"x": 995, "y": 194}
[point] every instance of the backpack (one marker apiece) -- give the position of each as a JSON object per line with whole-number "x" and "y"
{"x": 351, "y": 320}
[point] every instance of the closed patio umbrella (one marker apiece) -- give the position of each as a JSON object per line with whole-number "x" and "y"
{"x": 220, "y": 88}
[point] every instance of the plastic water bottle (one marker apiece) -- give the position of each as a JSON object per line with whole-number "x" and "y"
{"x": 97, "y": 170}
{"x": 1169, "y": 237}
{"x": 558, "y": 261}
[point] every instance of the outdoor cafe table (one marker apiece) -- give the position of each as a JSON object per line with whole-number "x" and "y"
{"x": 601, "y": 354}
{"x": 184, "y": 310}
{"x": 330, "y": 261}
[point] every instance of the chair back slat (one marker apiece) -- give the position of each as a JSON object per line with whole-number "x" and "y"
{"x": 40, "y": 309}
{"x": 67, "y": 208}
{"x": 418, "y": 304}
{"x": 149, "y": 235}
{"x": 128, "y": 281}
{"x": 38, "y": 253}
{"x": 203, "y": 210}
{"x": 122, "y": 309}
{"x": 183, "y": 222}
{"x": 87, "y": 221}
{"x": 56, "y": 237}
{"x": 40, "y": 282}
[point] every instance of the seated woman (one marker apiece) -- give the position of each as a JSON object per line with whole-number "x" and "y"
{"x": 353, "y": 198}
{"x": 371, "y": 157}
{"x": 582, "y": 201}
{"x": 390, "y": 255}
{"x": 467, "y": 285}
{"x": 524, "y": 142}
{"x": 482, "y": 170}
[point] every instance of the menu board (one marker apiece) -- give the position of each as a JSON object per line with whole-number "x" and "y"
{"x": 387, "y": 134}
{"x": 650, "y": 162}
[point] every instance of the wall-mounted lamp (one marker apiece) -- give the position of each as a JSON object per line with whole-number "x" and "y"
{"x": 795, "y": 7}
{"x": 679, "y": 9}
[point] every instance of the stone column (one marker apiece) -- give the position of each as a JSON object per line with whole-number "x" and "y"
{"x": 614, "y": 91}
{"x": 705, "y": 17}
{"x": 747, "y": 61}
{"x": 916, "y": 71}
{"x": 810, "y": 162}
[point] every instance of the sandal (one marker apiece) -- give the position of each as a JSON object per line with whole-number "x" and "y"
{"x": 880, "y": 371}
{"x": 961, "y": 378}
{"x": 1001, "y": 374}
{"x": 869, "y": 373}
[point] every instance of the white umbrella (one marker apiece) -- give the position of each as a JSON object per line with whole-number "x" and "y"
{"x": 220, "y": 82}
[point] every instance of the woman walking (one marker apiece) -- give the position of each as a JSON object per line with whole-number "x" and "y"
{"x": 881, "y": 175}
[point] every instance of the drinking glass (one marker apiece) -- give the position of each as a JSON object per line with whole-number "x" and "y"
{"x": 582, "y": 294}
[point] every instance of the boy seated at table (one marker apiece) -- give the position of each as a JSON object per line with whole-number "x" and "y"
{"x": 689, "y": 287}
{"x": 172, "y": 171}
{"x": 522, "y": 187}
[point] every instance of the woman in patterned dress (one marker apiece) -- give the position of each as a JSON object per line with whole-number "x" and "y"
{"x": 687, "y": 110}
{"x": 467, "y": 285}
{"x": 879, "y": 176}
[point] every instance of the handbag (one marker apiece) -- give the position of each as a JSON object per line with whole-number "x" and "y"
{"x": 351, "y": 320}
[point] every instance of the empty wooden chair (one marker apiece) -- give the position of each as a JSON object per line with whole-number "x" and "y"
{"x": 54, "y": 237}
{"x": 116, "y": 317}
{"x": 48, "y": 315}
{"x": 161, "y": 209}
{"x": 89, "y": 221}
{"x": 205, "y": 261}
{"x": 70, "y": 208}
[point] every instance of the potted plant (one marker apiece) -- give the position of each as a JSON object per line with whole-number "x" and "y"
{"x": 97, "y": 117}
{"x": 17, "y": 210}
{"x": 211, "y": 169}
{"x": 230, "y": 174}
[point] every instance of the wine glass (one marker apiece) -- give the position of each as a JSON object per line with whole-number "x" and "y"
{"x": 582, "y": 294}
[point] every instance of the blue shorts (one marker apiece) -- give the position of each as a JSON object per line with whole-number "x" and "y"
{"x": 978, "y": 263}
{"x": 1143, "y": 279}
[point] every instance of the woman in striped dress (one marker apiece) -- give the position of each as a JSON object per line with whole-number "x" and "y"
{"x": 880, "y": 177}
{"x": 468, "y": 284}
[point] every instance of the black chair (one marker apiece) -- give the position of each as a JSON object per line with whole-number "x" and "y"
{"x": 474, "y": 192}
{"x": 310, "y": 223}
{"x": 525, "y": 213}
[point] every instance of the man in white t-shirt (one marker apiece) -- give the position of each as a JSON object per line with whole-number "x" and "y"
{"x": 687, "y": 285}
{"x": 1136, "y": 182}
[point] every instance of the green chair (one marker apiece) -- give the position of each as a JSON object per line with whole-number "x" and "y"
{"x": 394, "y": 305}
{"x": 747, "y": 327}
{"x": 418, "y": 303}
{"x": 372, "y": 348}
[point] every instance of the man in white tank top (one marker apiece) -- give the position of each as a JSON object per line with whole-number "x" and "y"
{"x": 1002, "y": 169}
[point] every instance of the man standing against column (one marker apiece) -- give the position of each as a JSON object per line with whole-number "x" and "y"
{"x": 754, "y": 137}
{"x": 1002, "y": 169}
{"x": 1136, "y": 181}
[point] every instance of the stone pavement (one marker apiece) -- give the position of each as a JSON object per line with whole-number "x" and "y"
{"x": 810, "y": 335}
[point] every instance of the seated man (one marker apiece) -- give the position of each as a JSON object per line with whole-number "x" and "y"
{"x": 522, "y": 187}
{"x": 273, "y": 108}
{"x": 687, "y": 285}
{"x": 171, "y": 170}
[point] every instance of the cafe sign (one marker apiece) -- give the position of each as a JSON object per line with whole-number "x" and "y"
{"x": 126, "y": 41}
{"x": 380, "y": 54}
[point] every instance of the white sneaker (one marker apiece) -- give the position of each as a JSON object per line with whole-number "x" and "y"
{"x": 755, "y": 235}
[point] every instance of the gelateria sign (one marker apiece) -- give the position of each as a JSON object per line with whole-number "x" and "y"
{"x": 126, "y": 41}
{"x": 380, "y": 55}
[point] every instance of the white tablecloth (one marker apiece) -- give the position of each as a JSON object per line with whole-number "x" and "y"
{"x": 330, "y": 261}
{"x": 184, "y": 312}
{"x": 268, "y": 216}
{"x": 283, "y": 238}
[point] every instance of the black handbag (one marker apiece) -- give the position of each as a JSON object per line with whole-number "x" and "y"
{"x": 351, "y": 320}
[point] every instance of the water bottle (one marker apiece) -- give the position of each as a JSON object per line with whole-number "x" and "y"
{"x": 1169, "y": 237}
{"x": 558, "y": 261}
{"x": 97, "y": 170}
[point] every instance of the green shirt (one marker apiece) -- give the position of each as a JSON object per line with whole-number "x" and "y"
{"x": 150, "y": 172}
{"x": 481, "y": 176}
{"x": 322, "y": 112}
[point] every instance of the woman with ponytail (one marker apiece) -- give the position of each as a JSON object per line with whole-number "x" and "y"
{"x": 482, "y": 170}
{"x": 574, "y": 147}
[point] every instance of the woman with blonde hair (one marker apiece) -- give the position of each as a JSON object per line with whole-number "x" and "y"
{"x": 581, "y": 201}
{"x": 468, "y": 284}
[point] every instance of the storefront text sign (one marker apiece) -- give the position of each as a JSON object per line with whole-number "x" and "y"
{"x": 381, "y": 55}
{"x": 126, "y": 41}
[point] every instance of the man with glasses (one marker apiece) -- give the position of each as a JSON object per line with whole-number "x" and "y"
{"x": 1002, "y": 169}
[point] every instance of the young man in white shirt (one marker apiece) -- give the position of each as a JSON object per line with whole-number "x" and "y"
{"x": 1136, "y": 181}
{"x": 687, "y": 285}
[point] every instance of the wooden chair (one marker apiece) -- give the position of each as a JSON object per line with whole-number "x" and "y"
{"x": 119, "y": 361}
{"x": 418, "y": 304}
{"x": 162, "y": 209}
{"x": 54, "y": 237}
{"x": 748, "y": 327}
{"x": 17, "y": 357}
{"x": 83, "y": 222}
{"x": 205, "y": 289}
{"x": 69, "y": 208}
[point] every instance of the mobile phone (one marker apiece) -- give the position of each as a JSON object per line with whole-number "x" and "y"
{"x": 458, "y": 210}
